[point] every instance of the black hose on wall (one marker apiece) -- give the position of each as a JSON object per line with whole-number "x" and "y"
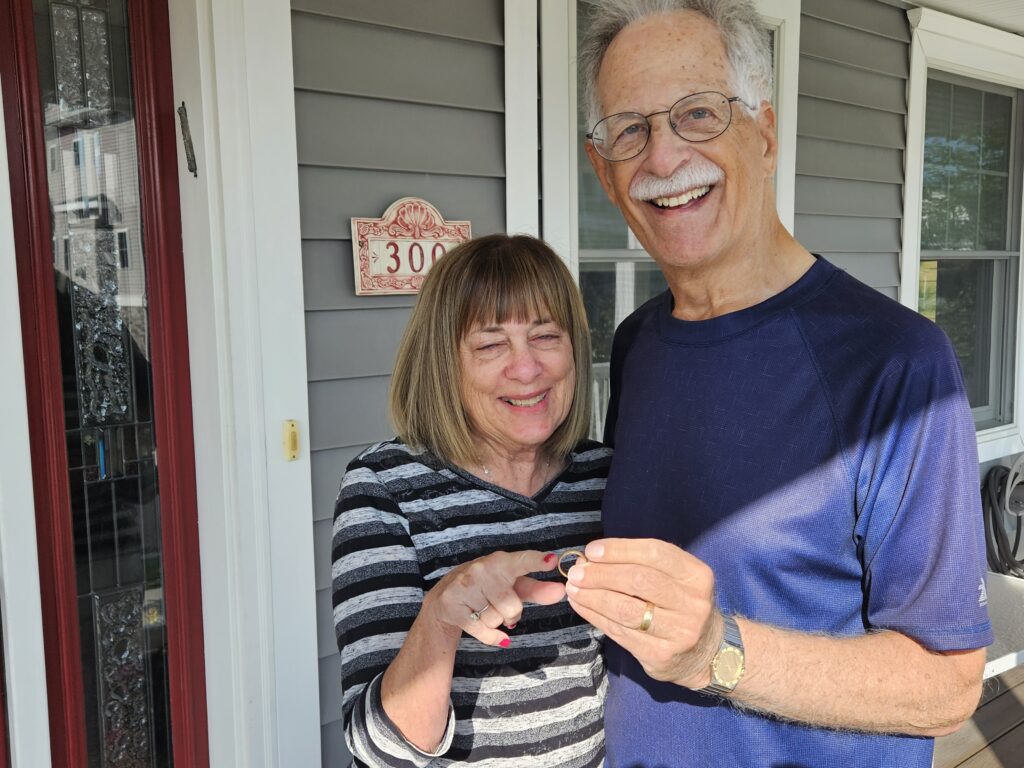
{"x": 1002, "y": 494}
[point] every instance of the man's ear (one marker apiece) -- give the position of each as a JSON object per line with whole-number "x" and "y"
{"x": 766, "y": 128}
{"x": 603, "y": 169}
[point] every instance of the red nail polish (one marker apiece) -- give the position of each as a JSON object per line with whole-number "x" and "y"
{"x": 505, "y": 643}
{"x": 549, "y": 557}
{"x": 511, "y": 626}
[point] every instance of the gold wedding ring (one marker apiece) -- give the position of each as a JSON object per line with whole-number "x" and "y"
{"x": 569, "y": 553}
{"x": 645, "y": 622}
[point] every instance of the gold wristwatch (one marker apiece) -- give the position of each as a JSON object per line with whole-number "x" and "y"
{"x": 727, "y": 667}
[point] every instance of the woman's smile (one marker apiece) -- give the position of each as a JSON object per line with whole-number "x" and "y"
{"x": 518, "y": 379}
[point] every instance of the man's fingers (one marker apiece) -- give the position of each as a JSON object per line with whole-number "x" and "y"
{"x": 636, "y": 580}
{"x": 624, "y": 610}
{"x": 679, "y": 624}
{"x": 654, "y": 553}
{"x": 634, "y": 642}
{"x": 658, "y": 656}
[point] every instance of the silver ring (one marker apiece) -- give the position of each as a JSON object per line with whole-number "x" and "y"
{"x": 475, "y": 615}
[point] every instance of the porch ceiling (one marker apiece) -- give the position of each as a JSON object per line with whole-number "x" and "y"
{"x": 1003, "y": 14}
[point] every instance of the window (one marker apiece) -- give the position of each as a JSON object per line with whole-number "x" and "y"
{"x": 969, "y": 258}
{"x": 961, "y": 261}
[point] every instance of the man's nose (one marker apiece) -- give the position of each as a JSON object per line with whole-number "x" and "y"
{"x": 665, "y": 149}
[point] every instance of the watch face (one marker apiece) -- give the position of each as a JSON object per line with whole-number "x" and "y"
{"x": 728, "y": 666}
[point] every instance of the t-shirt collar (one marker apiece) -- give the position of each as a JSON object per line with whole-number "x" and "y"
{"x": 723, "y": 327}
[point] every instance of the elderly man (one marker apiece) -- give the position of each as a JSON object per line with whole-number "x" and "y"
{"x": 795, "y": 467}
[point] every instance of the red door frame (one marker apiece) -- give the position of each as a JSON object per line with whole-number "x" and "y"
{"x": 172, "y": 399}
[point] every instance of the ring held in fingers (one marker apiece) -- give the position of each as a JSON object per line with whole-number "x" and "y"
{"x": 569, "y": 553}
{"x": 475, "y": 615}
{"x": 645, "y": 622}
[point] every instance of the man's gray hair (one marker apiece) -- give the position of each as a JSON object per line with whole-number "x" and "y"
{"x": 744, "y": 35}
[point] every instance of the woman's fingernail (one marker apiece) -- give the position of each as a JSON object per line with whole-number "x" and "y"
{"x": 549, "y": 558}
{"x": 505, "y": 643}
{"x": 511, "y": 626}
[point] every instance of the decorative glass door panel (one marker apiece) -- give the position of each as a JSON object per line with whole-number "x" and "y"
{"x": 99, "y": 265}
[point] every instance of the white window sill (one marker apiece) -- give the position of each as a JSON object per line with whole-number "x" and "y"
{"x": 999, "y": 443}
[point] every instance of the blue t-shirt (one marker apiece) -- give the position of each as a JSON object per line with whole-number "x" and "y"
{"x": 818, "y": 452}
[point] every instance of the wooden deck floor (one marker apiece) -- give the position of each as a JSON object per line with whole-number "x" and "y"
{"x": 994, "y": 738}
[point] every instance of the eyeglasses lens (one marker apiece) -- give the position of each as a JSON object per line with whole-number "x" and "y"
{"x": 621, "y": 136}
{"x": 698, "y": 117}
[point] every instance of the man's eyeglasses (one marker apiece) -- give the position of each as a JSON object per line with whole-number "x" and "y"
{"x": 697, "y": 117}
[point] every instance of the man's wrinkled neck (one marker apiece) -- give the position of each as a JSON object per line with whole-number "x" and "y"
{"x": 748, "y": 274}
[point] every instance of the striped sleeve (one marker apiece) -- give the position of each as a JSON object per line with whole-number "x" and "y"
{"x": 378, "y": 591}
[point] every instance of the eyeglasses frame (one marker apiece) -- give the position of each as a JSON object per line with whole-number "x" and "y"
{"x": 729, "y": 100}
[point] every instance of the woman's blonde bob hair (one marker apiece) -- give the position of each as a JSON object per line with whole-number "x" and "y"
{"x": 488, "y": 280}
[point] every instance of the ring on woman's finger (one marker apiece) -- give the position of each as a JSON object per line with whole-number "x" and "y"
{"x": 569, "y": 553}
{"x": 645, "y": 622}
{"x": 475, "y": 615}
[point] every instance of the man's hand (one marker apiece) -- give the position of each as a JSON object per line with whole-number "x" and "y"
{"x": 622, "y": 579}
{"x": 882, "y": 682}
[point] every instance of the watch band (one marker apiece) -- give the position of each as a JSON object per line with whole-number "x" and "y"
{"x": 730, "y": 652}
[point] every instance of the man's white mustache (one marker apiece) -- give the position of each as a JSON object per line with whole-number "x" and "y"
{"x": 695, "y": 173}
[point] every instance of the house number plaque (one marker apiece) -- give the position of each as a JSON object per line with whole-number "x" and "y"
{"x": 392, "y": 254}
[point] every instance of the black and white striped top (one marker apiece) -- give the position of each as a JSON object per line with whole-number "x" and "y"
{"x": 402, "y": 521}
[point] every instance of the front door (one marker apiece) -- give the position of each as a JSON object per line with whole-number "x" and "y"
{"x": 90, "y": 134}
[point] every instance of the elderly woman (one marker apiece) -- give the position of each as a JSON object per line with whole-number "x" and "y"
{"x": 457, "y": 646}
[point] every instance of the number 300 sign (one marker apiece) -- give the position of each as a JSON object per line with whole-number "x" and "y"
{"x": 393, "y": 253}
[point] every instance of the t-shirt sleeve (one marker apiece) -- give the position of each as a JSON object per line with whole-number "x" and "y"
{"x": 919, "y": 528}
{"x": 377, "y": 593}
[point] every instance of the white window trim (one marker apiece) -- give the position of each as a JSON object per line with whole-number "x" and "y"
{"x": 232, "y": 66}
{"x": 784, "y": 17}
{"x": 20, "y": 597}
{"x": 559, "y": 140}
{"x": 559, "y": 132}
{"x": 522, "y": 177}
{"x": 962, "y": 47}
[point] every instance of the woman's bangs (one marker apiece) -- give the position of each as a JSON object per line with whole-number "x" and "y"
{"x": 517, "y": 294}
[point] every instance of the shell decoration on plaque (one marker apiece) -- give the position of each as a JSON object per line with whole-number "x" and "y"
{"x": 393, "y": 254}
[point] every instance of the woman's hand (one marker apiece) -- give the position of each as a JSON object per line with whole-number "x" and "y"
{"x": 480, "y": 596}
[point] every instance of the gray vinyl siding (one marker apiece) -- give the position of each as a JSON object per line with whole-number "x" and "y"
{"x": 851, "y": 134}
{"x": 392, "y": 99}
